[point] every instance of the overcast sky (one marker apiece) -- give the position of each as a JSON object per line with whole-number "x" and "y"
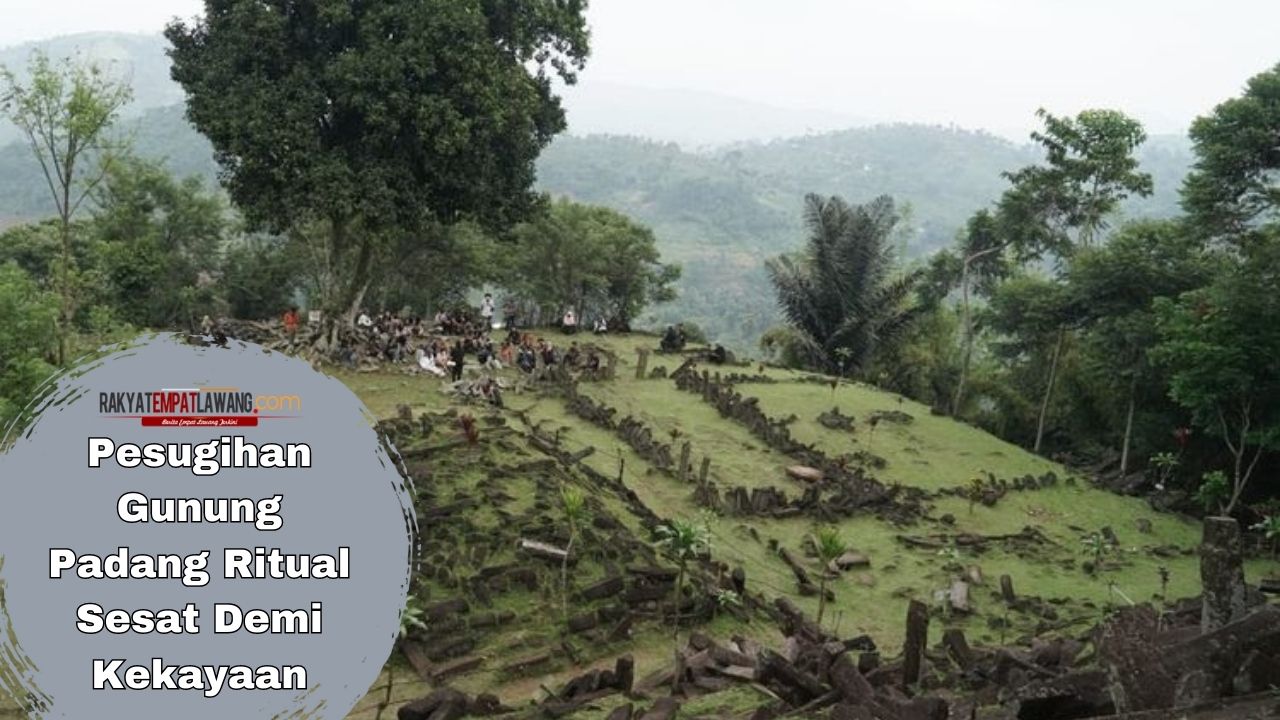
{"x": 976, "y": 63}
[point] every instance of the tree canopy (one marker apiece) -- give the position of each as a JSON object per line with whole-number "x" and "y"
{"x": 595, "y": 260}
{"x": 842, "y": 293}
{"x": 1234, "y": 186}
{"x": 377, "y": 118}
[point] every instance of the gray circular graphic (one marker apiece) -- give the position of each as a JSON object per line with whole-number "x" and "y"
{"x": 319, "y": 556}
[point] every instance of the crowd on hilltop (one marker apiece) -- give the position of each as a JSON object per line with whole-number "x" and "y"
{"x": 463, "y": 344}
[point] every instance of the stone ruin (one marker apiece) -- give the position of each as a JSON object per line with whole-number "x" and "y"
{"x": 833, "y": 419}
{"x": 1137, "y": 664}
{"x": 989, "y": 490}
{"x": 843, "y": 491}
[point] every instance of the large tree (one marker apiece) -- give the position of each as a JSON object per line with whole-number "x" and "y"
{"x": 1061, "y": 206}
{"x": 1234, "y": 188}
{"x": 65, "y": 111}
{"x": 982, "y": 265}
{"x": 363, "y": 123}
{"x": 592, "y": 259}
{"x": 1114, "y": 289}
{"x": 1089, "y": 168}
{"x": 1219, "y": 345}
{"x": 842, "y": 293}
{"x": 156, "y": 242}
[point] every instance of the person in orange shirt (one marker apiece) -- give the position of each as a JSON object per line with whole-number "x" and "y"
{"x": 291, "y": 324}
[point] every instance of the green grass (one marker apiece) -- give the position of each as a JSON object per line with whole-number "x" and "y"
{"x": 930, "y": 453}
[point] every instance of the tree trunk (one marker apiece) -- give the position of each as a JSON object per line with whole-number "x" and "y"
{"x": 564, "y": 578}
{"x": 675, "y": 609}
{"x": 1048, "y": 389}
{"x": 822, "y": 595}
{"x": 1128, "y": 426}
{"x": 64, "y": 312}
{"x": 1241, "y": 473}
{"x": 967, "y": 353}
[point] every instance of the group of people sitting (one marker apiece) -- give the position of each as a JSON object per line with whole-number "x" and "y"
{"x": 530, "y": 353}
{"x": 569, "y": 324}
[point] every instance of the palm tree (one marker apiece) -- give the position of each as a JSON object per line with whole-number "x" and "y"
{"x": 682, "y": 541}
{"x": 830, "y": 547}
{"x": 574, "y": 505}
{"x": 841, "y": 291}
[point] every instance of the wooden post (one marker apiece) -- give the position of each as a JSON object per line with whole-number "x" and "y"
{"x": 642, "y": 363}
{"x": 685, "y": 451}
{"x": 704, "y": 471}
{"x": 914, "y": 647}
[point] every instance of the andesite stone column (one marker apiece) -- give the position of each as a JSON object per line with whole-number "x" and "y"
{"x": 1221, "y": 573}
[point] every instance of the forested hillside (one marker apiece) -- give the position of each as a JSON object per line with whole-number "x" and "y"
{"x": 719, "y": 212}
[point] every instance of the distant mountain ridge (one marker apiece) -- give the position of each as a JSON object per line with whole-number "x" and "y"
{"x": 718, "y": 211}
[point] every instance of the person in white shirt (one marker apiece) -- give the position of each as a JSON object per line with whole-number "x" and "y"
{"x": 486, "y": 309}
{"x": 427, "y": 362}
{"x": 364, "y": 320}
{"x": 570, "y": 322}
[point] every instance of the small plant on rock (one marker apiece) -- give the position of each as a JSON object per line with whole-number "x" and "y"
{"x": 951, "y": 556}
{"x": 1270, "y": 529}
{"x": 1213, "y": 491}
{"x": 974, "y": 492}
{"x": 574, "y": 505}
{"x": 830, "y": 547}
{"x": 1097, "y": 547}
{"x": 727, "y": 600}
{"x": 682, "y": 541}
{"x": 1164, "y": 465}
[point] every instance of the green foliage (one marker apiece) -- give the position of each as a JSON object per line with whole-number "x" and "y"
{"x": 574, "y": 506}
{"x": 259, "y": 275}
{"x": 843, "y": 292}
{"x": 1113, "y": 290}
{"x": 1219, "y": 345}
{"x": 64, "y": 111}
{"x": 683, "y": 540}
{"x": 1097, "y": 547}
{"x": 1165, "y": 465}
{"x": 428, "y": 272}
{"x": 1213, "y": 492}
{"x": 1269, "y": 527}
{"x": 412, "y": 618}
{"x": 694, "y": 334}
{"x": 35, "y": 248}
{"x": 595, "y": 260}
{"x": 785, "y": 346}
{"x": 323, "y": 115}
{"x": 1091, "y": 166}
{"x": 27, "y": 340}
{"x": 829, "y": 545}
{"x": 156, "y": 241}
{"x": 925, "y": 363}
{"x": 1232, "y": 191}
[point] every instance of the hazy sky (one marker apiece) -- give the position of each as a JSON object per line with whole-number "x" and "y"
{"x": 977, "y": 63}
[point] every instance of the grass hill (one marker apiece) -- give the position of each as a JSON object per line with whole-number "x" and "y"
{"x": 479, "y": 499}
{"x": 494, "y": 617}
